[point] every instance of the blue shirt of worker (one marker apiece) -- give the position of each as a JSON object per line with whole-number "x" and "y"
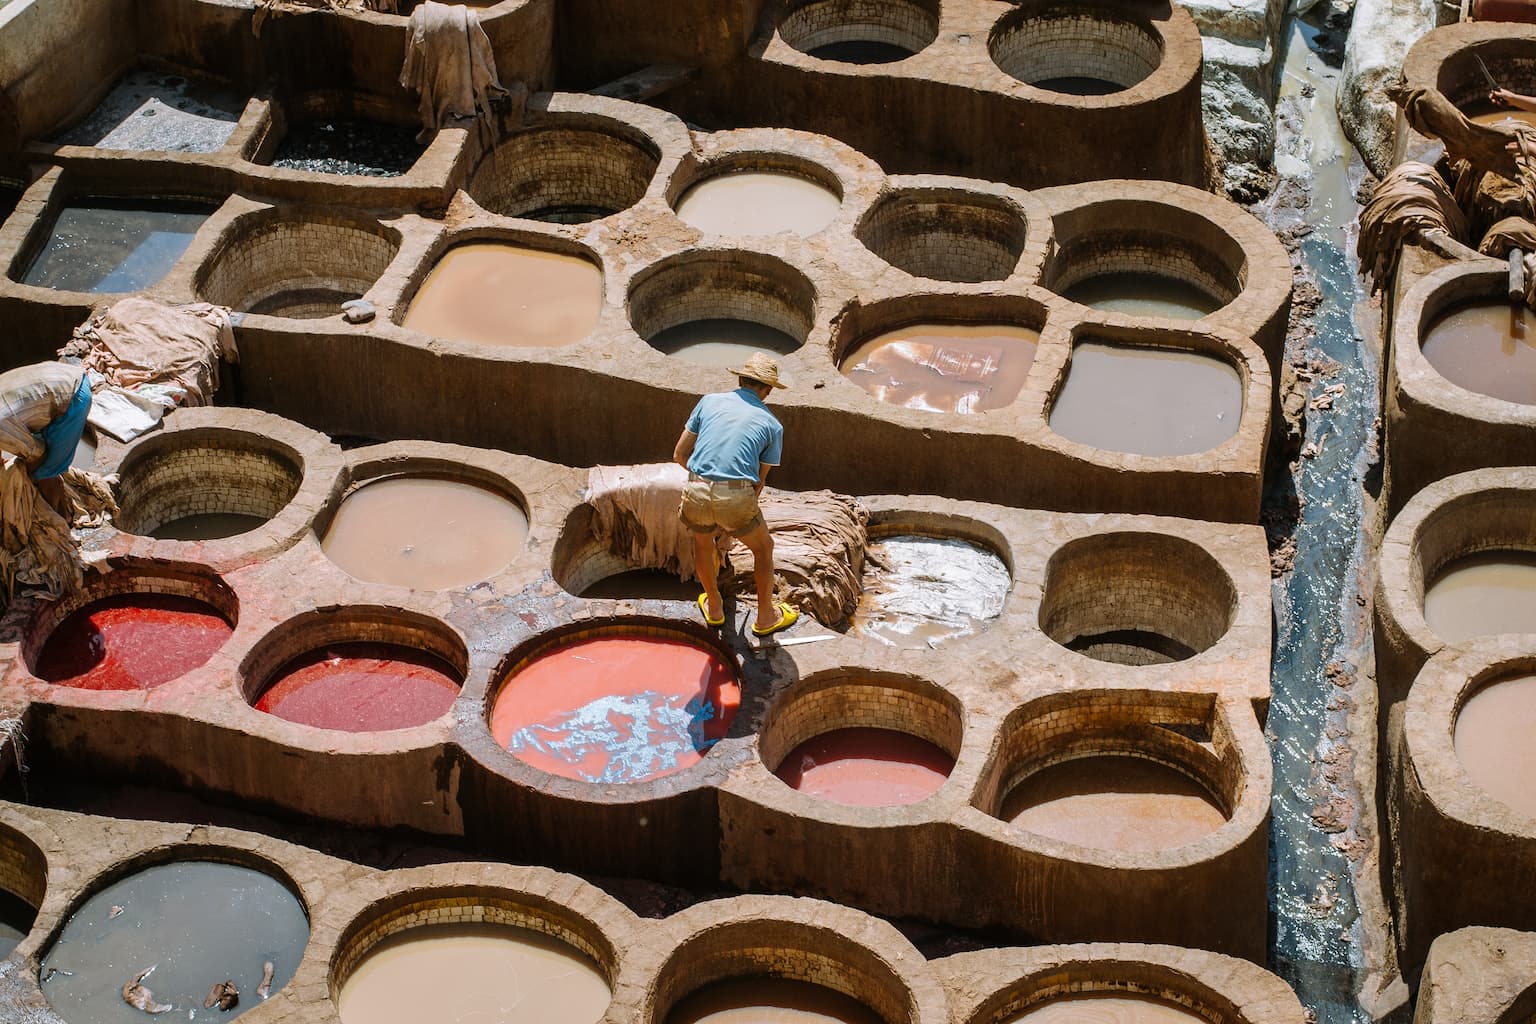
{"x": 737, "y": 436}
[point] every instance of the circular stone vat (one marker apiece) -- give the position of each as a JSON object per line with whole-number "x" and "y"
{"x": 357, "y": 670}
{"x": 187, "y": 925}
{"x": 1136, "y": 598}
{"x": 860, "y": 32}
{"x": 1486, "y": 346}
{"x": 508, "y": 295}
{"x": 717, "y": 308}
{"x": 761, "y": 194}
{"x": 205, "y": 483}
{"x": 1147, "y": 400}
{"x": 1483, "y": 595}
{"x": 425, "y": 532}
{"x": 131, "y": 631}
{"x": 641, "y": 585}
{"x": 766, "y": 1000}
{"x": 620, "y": 705}
{"x": 1137, "y": 293}
{"x": 1106, "y": 1008}
{"x": 1493, "y": 740}
{"x": 23, "y": 882}
{"x": 571, "y": 171}
{"x": 921, "y": 591}
{"x": 961, "y": 368}
{"x": 297, "y": 263}
{"x": 1076, "y": 49}
{"x": 946, "y": 234}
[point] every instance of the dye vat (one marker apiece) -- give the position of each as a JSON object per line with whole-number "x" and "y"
{"x": 1114, "y": 802}
{"x": 191, "y": 925}
{"x": 153, "y": 110}
{"x": 480, "y": 974}
{"x": 424, "y": 532}
{"x": 362, "y": 687}
{"x": 1483, "y": 595}
{"x": 721, "y": 342}
{"x": 349, "y": 146}
{"x": 16, "y": 917}
{"x": 938, "y": 367}
{"x": 1092, "y": 1008}
{"x": 1148, "y": 401}
{"x": 861, "y": 51}
{"x": 110, "y": 247}
{"x": 1493, "y": 741}
{"x": 131, "y": 642}
{"x": 617, "y": 708}
{"x": 1486, "y": 116}
{"x": 207, "y": 526}
{"x": 1487, "y": 347}
{"x": 1143, "y": 294}
{"x": 493, "y": 293}
{"x": 866, "y": 767}
{"x": 769, "y": 1001}
{"x": 642, "y": 585}
{"x": 1078, "y": 85}
{"x": 759, "y": 203}
{"x": 920, "y": 592}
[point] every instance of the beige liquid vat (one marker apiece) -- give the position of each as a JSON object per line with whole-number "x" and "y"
{"x": 1482, "y": 596}
{"x": 1493, "y": 741}
{"x": 944, "y": 367}
{"x": 473, "y": 974}
{"x": 1487, "y": 347}
{"x": 495, "y": 293}
{"x": 769, "y": 1001}
{"x": 758, "y": 203}
{"x": 425, "y": 532}
{"x": 1095, "y": 1009}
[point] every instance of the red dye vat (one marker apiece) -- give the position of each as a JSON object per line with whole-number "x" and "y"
{"x": 362, "y": 687}
{"x": 866, "y": 767}
{"x": 617, "y": 709}
{"x": 131, "y": 642}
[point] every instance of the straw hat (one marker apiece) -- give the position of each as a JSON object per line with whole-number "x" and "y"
{"x": 762, "y": 369}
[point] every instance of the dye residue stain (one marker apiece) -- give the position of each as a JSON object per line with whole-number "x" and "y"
{"x": 362, "y": 687}
{"x": 769, "y": 1001}
{"x": 1106, "y": 1009}
{"x": 617, "y": 709}
{"x": 758, "y": 203}
{"x": 866, "y": 767}
{"x": 1114, "y": 803}
{"x": 110, "y": 247}
{"x": 1486, "y": 347}
{"x": 479, "y": 974}
{"x": 922, "y": 591}
{"x": 955, "y": 368}
{"x": 196, "y": 923}
{"x": 494, "y": 293}
{"x": 131, "y": 642}
{"x": 1482, "y": 596}
{"x": 1143, "y": 294}
{"x": 1493, "y": 741}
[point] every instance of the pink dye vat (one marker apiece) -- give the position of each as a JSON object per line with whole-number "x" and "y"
{"x": 867, "y": 767}
{"x": 131, "y": 642}
{"x": 617, "y": 708}
{"x": 362, "y": 687}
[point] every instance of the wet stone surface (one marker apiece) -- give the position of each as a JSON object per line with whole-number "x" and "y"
{"x": 150, "y": 110}
{"x": 349, "y": 146}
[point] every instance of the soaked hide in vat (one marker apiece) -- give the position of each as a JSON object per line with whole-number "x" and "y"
{"x": 271, "y": 8}
{"x": 1487, "y": 198}
{"x": 818, "y": 537}
{"x": 1410, "y": 200}
{"x": 1484, "y": 146}
{"x": 448, "y": 59}
{"x": 1509, "y": 233}
{"x": 36, "y": 548}
{"x": 171, "y": 352}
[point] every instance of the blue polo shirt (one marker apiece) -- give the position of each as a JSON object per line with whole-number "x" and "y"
{"x": 737, "y": 435}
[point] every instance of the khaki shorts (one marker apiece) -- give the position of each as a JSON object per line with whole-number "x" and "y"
{"x": 729, "y": 505}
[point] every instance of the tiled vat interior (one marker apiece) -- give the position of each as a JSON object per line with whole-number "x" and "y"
{"x": 708, "y": 285}
{"x": 1038, "y": 42}
{"x": 908, "y": 24}
{"x": 946, "y": 235}
{"x": 214, "y": 471}
{"x": 587, "y": 168}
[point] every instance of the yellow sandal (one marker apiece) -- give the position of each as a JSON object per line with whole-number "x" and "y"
{"x": 787, "y": 617}
{"x": 704, "y": 610}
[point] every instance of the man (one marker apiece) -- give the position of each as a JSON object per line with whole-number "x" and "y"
{"x": 42, "y": 418}
{"x": 729, "y": 445}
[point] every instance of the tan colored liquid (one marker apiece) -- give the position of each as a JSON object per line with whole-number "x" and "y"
{"x": 758, "y": 203}
{"x": 425, "y": 533}
{"x": 1493, "y": 741}
{"x": 1114, "y": 803}
{"x": 959, "y": 368}
{"x": 1148, "y": 401}
{"x": 1482, "y": 596}
{"x": 1505, "y": 114}
{"x": 473, "y": 974}
{"x": 769, "y": 1001}
{"x": 1487, "y": 347}
{"x": 1095, "y": 1009}
{"x": 493, "y": 293}
{"x": 719, "y": 342}
{"x": 1142, "y": 294}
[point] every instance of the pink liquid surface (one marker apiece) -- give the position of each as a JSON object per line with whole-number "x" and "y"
{"x": 866, "y": 767}
{"x": 362, "y": 687}
{"x": 131, "y": 642}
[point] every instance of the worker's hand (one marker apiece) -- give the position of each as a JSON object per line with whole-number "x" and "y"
{"x": 1501, "y": 98}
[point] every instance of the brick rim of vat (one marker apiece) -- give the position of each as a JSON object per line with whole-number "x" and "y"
{"x": 915, "y": 21}
{"x": 1442, "y": 58}
{"x": 1142, "y": 24}
{"x": 652, "y": 298}
{"x": 24, "y": 869}
{"x": 1022, "y": 216}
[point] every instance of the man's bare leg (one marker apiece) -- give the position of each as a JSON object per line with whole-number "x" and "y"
{"x": 704, "y": 568}
{"x": 760, "y": 543}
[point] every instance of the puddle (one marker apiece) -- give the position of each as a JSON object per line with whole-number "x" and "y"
{"x": 111, "y": 247}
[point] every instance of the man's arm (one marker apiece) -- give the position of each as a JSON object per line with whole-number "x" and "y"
{"x": 683, "y": 450}
{"x": 1506, "y": 98}
{"x": 762, "y": 476}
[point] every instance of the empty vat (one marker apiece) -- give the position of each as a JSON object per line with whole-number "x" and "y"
{"x": 182, "y": 928}
{"x": 866, "y": 767}
{"x": 759, "y": 202}
{"x": 504, "y": 294}
{"x": 570, "y": 169}
{"x": 1138, "y": 293}
{"x": 1080, "y": 50}
{"x": 1483, "y": 595}
{"x": 920, "y": 592}
{"x": 855, "y": 32}
{"x": 946, "y": 234}
{"x": 945, "y": 367}
{"x": 722, "y": 341}
{"x": 425, "y": 532}
{"x": 156, "y": 110}
{"x": 1493, "y": 741}
{"x": 1486, "y": 346}
{"x": 618, "y": 707}
{"x": 110, "y": 246}
{"x": 715, "y": 308}
{"x": 205, "y": 484}
{"x": 764, "y": 1000}
{"x": 1105, "y": 1008}
{"x": 642, "y": 584}
{"x": 362, "y": 686}
{"x": 349, "y": 145}
{"x": 1146, "y": 400}
{"x": 131, "y": 642}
